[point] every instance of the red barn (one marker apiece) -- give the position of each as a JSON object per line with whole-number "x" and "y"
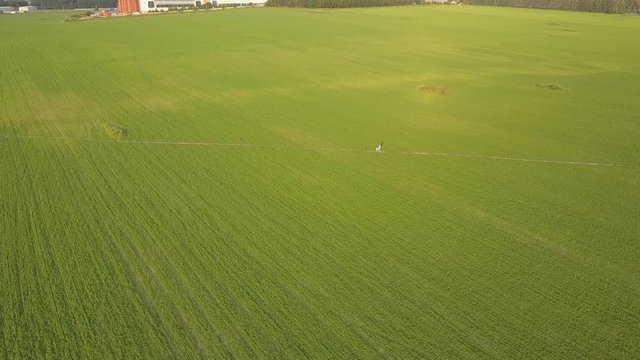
{"x": 128, "y": 6}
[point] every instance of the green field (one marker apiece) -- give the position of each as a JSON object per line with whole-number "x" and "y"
{"x": 203, "y": 185}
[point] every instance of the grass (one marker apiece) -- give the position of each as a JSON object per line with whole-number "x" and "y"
{"x": 117, "y": 244}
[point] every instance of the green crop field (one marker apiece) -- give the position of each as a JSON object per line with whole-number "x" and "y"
{"x": 204, "y": 185}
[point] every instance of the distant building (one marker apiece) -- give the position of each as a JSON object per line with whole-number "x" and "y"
{"x": 128, "y": 6}
{"x": 7, "y": 9}
{"x": 167, "y": 4}
{"x": 142, "y": 6}
{"x": 23, "y": 9}
{"x": 241, "y": 2}
{"x": 138, "y": 6}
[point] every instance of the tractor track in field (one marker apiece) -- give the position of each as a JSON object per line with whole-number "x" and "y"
{"x": 506, "y": 158}
{"x": 245, "y": 145}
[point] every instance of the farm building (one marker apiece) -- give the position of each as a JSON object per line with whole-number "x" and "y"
{"x": 240, "y": 2}
{"x": 138, "y": 6}
{"x": 141, "y": 6}
{"x": 23, "y": 9}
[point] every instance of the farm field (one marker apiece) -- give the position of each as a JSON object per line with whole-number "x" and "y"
{"x": 204, "y": 185}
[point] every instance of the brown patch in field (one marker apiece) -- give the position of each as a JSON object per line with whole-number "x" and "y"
{"x": 432, "y": 90}
{"x": 115, "y": 132}
{"x": 552, "y": 87}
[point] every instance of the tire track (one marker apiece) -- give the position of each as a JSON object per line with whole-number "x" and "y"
{"x": 407, "y": 153}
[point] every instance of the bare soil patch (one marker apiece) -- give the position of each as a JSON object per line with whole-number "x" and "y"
{"x": 551, "y": 87}
{"x": 432, "y": 90}
{"x": 115, "y": 132}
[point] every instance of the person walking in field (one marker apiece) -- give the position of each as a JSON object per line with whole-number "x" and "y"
{"x": 379, "y": 147}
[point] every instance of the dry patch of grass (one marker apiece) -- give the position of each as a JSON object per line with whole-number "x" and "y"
{"x": 115, "y": 132}
{"x": 432, "y": 90}
{"x": 551, "y": 87}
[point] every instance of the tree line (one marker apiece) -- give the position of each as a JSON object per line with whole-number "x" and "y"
{"x": 14, "y": 3}
{"x": 74, "y": 4}
{"x": 603, "y": 6}
{"x": 339, "y": 3}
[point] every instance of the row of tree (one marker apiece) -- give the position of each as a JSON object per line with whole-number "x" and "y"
{"x": 604, "y": 6}
{"x": 339, "y": 3}
{"x": 13, "y": 3}
{"x": 74, "y": 4}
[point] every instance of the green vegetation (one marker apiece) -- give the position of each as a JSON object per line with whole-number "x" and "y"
{"x": 128, "y": 229}
{"x": 603, "y": 6}
{"x": 13, "y": 3}
{"x": 74, "y": 4}
{"x": 339, "y": 3}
